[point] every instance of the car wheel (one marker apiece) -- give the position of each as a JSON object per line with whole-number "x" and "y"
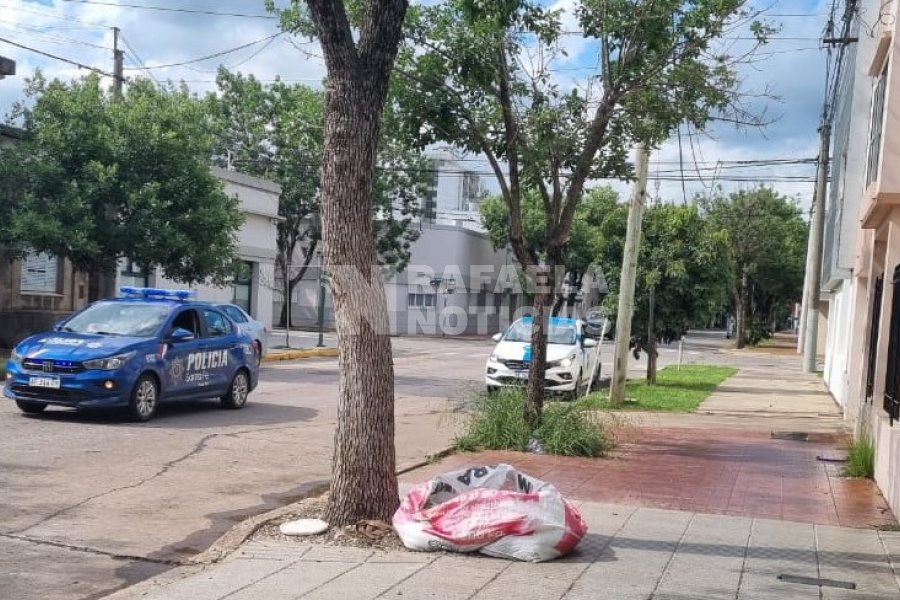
{"x": 575, "y": 393}
{"x": 31, "y": 408}
{"x": 492, "y": 390}
{"x": 144, "y": 398}
{"x": 238, "y": 392}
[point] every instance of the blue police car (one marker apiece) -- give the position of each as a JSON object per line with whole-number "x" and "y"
{"x": 146, "y": 347}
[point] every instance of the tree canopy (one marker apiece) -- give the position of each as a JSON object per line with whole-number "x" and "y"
{"x": 276, "y": 131}
{"x": 683, "y": 258}
{"x": 98, "y": 178}
{"x": 767, "y": 250}
{"x": 480, "y": 76}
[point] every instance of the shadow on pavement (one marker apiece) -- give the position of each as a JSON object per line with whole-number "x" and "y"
{"x": 200, "y": 414}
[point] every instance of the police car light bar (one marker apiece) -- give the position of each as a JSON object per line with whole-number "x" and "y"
{"x": 158, "y": 293}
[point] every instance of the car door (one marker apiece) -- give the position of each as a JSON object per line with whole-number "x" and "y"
{"x": 591, "y": 356}
{"x": 225, "y": 350}
{"x": 180, "y": 355}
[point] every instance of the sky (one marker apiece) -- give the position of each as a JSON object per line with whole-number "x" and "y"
{"x": 791, "y": 66}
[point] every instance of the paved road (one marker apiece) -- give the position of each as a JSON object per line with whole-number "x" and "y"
{"x": 89, "y": 502}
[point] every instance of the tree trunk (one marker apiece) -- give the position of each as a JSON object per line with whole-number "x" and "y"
{"x": 364, "y": 481}
{"x": 534, "y": 403}
{"x": 286, "y": 283}
{"x": 101, "y": 282}
{"x": 740, "y": 308}
{"x": 545, "y": 283}
{"x": 651, "y": 339}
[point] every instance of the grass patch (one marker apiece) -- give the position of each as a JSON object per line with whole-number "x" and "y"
{"x": 860, "y": 459}
{"x": 675, "y": 391}
{"x": 497, "y": 422}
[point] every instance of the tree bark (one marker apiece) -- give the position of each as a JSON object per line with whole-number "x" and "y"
{"x": 534, "y": 402}
{"x": 545, "y": 291}
{"x": 364, "y": 481}
{"x": 651, "y": 339}
{"x": 101, "y": 282}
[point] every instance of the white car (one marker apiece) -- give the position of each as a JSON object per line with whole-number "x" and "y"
{"x": 247, "y": 324}
{"x": 572, "y": 358}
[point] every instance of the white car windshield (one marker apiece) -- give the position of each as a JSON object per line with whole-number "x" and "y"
{"x": 119, "y": 318}
{"x": 560, "y": 333}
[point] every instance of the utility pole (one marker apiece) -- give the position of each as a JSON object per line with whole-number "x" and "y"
{"x": 628, "y": 276}
{"x": 118, "y": 64}
{"x": 801, "y": 333}
{"x": 816, "y": 233}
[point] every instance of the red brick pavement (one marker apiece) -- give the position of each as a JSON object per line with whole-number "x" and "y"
{"x": 723, "y": 471}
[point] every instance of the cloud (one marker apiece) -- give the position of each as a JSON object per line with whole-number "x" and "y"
{"x": 792, "y": 65}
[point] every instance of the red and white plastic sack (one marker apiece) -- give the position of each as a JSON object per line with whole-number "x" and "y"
{"x": 494, "y": 510}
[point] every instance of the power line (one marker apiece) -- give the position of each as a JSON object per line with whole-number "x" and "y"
{"x": 138, "y": 60}
{"x": 55, "y": 57}
{"x": 175, "y": 9}
{"x": 214, "y": 55}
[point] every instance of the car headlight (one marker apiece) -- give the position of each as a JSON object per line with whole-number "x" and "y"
{"x": 15, "y": 357}
{"x": 108, "y": 364}
{"x": 494, "y": 358}
{"x": 564, "y": 363}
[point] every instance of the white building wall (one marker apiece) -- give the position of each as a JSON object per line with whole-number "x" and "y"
{"x": 838, "y": 342}
{"x": 256, "y": 245}
{"x": 848, "y": 182}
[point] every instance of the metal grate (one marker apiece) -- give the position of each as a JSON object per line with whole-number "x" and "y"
{"x": 875, "y": 324}
{"x": 892, "y": 379}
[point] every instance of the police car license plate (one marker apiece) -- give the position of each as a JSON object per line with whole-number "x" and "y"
{"x": 44, "y": 382}
{"x": 522, "y": 374}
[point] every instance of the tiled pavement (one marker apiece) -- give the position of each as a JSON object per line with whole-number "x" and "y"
{"x": 629, "y": 553}
{"x": 731, "y": 472}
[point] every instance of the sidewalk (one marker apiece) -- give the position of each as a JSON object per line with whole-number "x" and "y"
{"x": 733, "y": 501}
{"x": 629, "y": 553}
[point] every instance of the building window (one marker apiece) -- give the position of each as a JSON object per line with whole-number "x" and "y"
{"x": 420, "y": 300}
{"x": 243, "y": 284}
{"x": 876, "y": 127}
{"x": 132, "y": 274}
{"x": 40, "y": 273}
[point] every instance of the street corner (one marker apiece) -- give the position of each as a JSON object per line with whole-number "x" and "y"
{"x": 282, "y": 355}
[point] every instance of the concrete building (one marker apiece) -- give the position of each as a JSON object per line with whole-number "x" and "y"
{"x": 841, "y": 291}
{"x": 253, "y": 285}
{"x": 861, "y": 267}
{"x": 456, "y": 283}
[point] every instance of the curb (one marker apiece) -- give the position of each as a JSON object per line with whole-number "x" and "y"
{"x": 298, "y": 354}
{"x": 237, "y": 535}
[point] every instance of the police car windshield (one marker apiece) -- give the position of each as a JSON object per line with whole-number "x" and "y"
{"x": 119, "y": 318}
{"x": 559, "y": 333}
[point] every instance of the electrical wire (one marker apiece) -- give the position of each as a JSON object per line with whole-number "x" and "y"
{"x": 214, "y": 55}
{"x": 137, "y": 59}
{"x": 174, "y": 9}
{"x": 56, "y": 57}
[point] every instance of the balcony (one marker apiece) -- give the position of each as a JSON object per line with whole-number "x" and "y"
{"x": 884, "y": 35}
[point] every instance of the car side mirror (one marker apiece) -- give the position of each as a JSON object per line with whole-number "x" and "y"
{"x": 589, "y": 343}
{"x": 497, "y": 337}
{"x": 58, "y": 324}
{"x": 181, "y": 335}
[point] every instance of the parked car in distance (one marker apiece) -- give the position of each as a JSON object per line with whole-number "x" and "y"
{"x": 572, "y": 357}
{"x": 136, "y": 351}
{"x": 255, "y": 329}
